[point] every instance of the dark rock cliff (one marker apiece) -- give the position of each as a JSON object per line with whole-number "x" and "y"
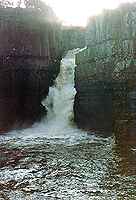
{"x": 105, "y": 76}
{"x": 30, "y": 56}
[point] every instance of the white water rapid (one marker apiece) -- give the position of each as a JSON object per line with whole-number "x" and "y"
{"x": 55, "y": 160}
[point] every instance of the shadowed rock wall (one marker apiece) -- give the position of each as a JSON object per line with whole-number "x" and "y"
{"x": 106, "y": 70}
{"x": 30, "y": 57}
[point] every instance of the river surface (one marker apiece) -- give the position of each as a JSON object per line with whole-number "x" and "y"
{"x": 55, "y": 160}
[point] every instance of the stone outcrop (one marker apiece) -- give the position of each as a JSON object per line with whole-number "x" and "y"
{"x": 30, "y": 56}
{"x": 105, "y": 76}
{"x": 72, "y": 37}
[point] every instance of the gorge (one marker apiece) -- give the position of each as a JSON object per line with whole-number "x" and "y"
{"x": 67, "y": 106}
{"x": 54, "y": 159}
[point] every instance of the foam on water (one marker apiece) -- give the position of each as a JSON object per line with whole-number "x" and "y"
{"x": 55, "y": 160}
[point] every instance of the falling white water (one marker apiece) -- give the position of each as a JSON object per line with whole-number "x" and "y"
{"x": 61, "y": 97}
{"x": 58, "y": 124}
{"x": 54, "y": 159}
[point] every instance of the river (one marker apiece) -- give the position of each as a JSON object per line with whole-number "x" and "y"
{"x": 55, "y": 160}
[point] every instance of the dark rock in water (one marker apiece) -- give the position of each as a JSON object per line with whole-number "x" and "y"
{"x": 29, "y": 62}
{"x": 105, "y": 76}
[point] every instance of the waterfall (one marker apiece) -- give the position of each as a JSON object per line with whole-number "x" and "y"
{"x": 60, "y": 100}
{"x": 58, "y": 124}
{"x": 55, "y": 160}
{"x": 61, "y": 96}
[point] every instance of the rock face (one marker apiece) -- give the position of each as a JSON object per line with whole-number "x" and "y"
{"x": 29, "y": 62}
{"x": 105, "y": 76}
{"x": 72, "y": 38}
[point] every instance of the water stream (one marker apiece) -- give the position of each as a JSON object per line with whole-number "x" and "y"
{"x": 56, "y": 160}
